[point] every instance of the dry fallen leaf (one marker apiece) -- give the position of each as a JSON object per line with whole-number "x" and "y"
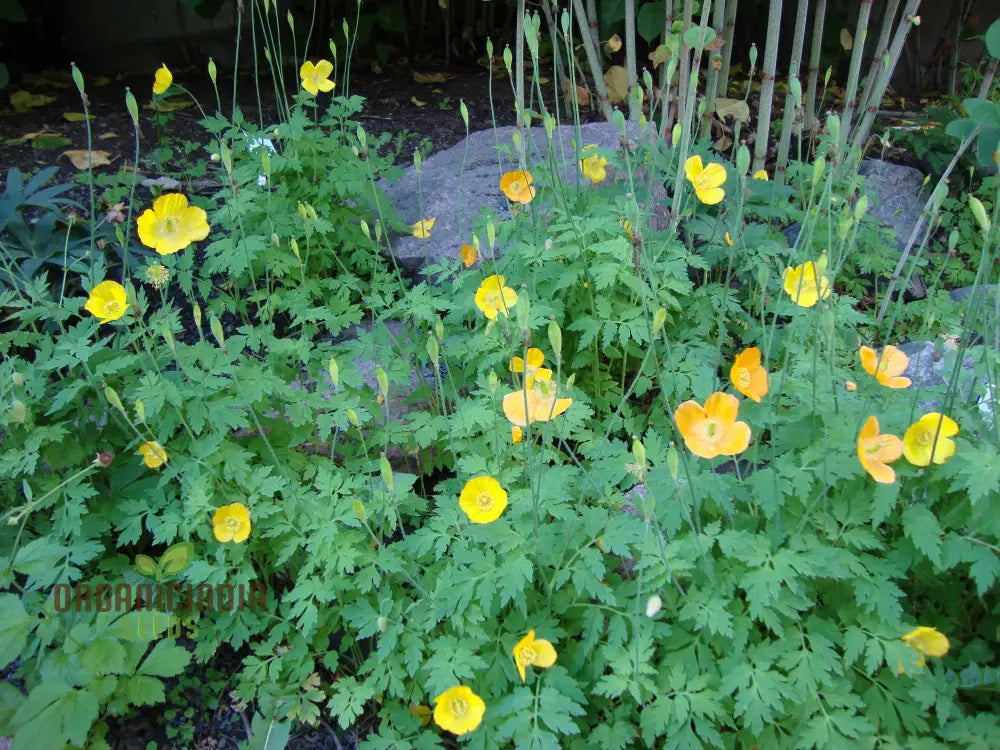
{"x": 846, "y": 40}
{"x": 715, "y": 44}
{"x": 723, "y": 143}
{"x": 22, "y": 101}
{"x": 76, "y": 117}
{"x": 582, "y": 95}
{"x": 736, "y": 108}
{"x": 80, "y": 158}
{"x": 617, "y": 81}
{"x": 168, "y": 105}
{"x": 614, "y": 43}
{"x": 105, "y": 136}
{"x": 431, "y": 77}
{"x": 417, "y": 101}
{"x": 29, "y": 137}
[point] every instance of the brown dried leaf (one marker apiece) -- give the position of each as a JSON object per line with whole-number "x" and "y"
{"x": 80, "y": 158}
{"x": 431, "y": 77}
{"x": 617, "y": 82}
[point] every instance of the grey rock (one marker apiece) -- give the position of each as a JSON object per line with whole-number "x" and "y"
{"x": 931, "y": 366}
{"x": 455, "y": 197}
{"x": 896, "y": 200}
{"x": 962, "y": 293}
{"x": 895, "y": 196}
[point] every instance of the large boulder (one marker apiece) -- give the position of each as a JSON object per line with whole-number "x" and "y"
{"x": 455, "y": 185}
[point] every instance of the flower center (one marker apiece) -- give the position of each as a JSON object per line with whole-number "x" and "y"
{"x": 743, "y": 377}
{"x": 527, "y": 655}
{"x": 711, "y": 429}
{"x": 233, "y": 523}
{"x": 517, "y": 187}
{"x": 170, "y": 225}
{"x": 484, "y": 501}
{"x": 872, "y": 447}
{"x": 459, "y": 707}
{"x": 883, "y": 365}
{"x": 925, "y": 437}
{"x": 112, "y": 307}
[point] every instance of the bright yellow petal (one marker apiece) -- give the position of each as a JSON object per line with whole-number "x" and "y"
{"x": 713, "y": 176}
{"x": 170, "y": 205}
{"x": 689, "y": 417}
{"x": 535, "y": 357}
{"x": 734, "y": 440}
{"x": 710, "y": 196}
{"x": 323, "y": 68}
{"x": 869, "y": 360}
{"x": 514, "y": 407}
{"x": 722, "y": 406}
{"x": 693, "y": 167}
{"x": 545, "y": 653}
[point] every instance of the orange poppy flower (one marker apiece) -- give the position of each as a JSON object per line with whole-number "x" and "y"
{"x": 889, "y": 368}
{"x": 468, "y": 255}
{"x": 712, "y": 430}
{"x": 517, "y": 186}
{"x": 877, "y": 451}
{"x": 748, "y": 376}
{"x": 540, "y": 401}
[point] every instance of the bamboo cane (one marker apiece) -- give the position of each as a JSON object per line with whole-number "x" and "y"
{"x": 519, "y": 63}
{"x": 798, "y": 41}
{"x": 880, "y": 82}
{"x": 767, "y": 84}
{"x": 630, "y": 68}
{"x": 715, "y": 65}
{"x": 881, "y": 47}
{"x": 854, "y": 71}
{"x": 727, "y": 48}
{"x": 593, "y": 60}
{"x": 814, "y": 52}
{"x": 685, "y": 58}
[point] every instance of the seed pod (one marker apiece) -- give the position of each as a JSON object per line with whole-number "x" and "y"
{"x": 112, "y": 396}
{"x": 386, "y": 471}
{"x": 555, "y": 338}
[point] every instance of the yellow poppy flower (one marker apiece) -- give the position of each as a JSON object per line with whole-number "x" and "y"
{"x": 761, "y": 174}
{"x": 748, "y": 375}
{"x": 707, "y": 180}
{"x": 594, "y": 165}
{"x": 106, "y": 301}
{"x": 171, "y": 224}
{"x": 153, "y": 454}
{"x": 804, "y": 285}
{"x": 535, "y": 370}
{"x": 517, "y": 186}
{"x": 541, "y": 401}
{"x": 458, "y": 710}
{"x": 483, "y": 499}
{"x": 712, "y": 430}
{"x": 926, "y": 642}
{"x": 534, "y": 652}
{"x": 516, "y": 435}
{"x": 468, "y": 255}
{"x": 877, "y": 451}
{"x": 493, "y": 297}
{"x": 162, "y": 80}
{"x": 316, "y": 78}
{"x": 888, "y": 369}
{"x": 231, "y": 523}
{"x": 422, "y": 229}
{"x": 919, "y": 446}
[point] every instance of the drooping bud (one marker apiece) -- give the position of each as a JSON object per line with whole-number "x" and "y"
{"x": 861, "y": 207}
{"x": 352, "y": 417}
{"x": 18, "y": 411}
{"x": 386, "y": 470}
{"x": 555, "y": 338}
{"x": 17, "y": 379}
{"x": 216, "y": 328}
{"x": 653, "y": 605}
{"x": 979, "y": 212}
{"x": 212, "y": 71}
{"x": 432, "y": 350}
{"x": 742, "y": 160}
{"x": 659, "y": 318}
{"x": 112, "y": 396}
{"x": 383, "y": 381}
{"x": 140, "y": 410}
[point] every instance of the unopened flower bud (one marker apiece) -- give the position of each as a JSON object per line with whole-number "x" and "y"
{"x": 673, "y": 461}
{"x": 334, "y": 369}
{"x": 432, "y": 350}
{"x": 365, "y": 230}
{"x": 979, "y": 212}
{"x": 140, "y": 410}
{"x": 675, "y": 134}
{"x": 17, "y": 379}
{"x": 659, "y": 318}
{"x": 216, "y": 327}
{"x": 555, "y": 338}
{"x": 275, "y": 239}
{"x": 386, "y": 471}
{"x": 383, "y": 381}
{"x": 352, "y": 417}
{"x": 359, "y": 510}
{"x": 653, "y": 605}
{"x": 295, "y": 248}
{"x": 382, "y": 623}
{"x": 639, "y": 452}
{"x": 742, "y": 160}
{"x": 212, "y": 69}
{"x": 18, "y": 411}
{"x": 112, "y": 396}
{"x": 861, "y": 207}
{"x": 214, "y": 157}
{"x": 494, "y": 382}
